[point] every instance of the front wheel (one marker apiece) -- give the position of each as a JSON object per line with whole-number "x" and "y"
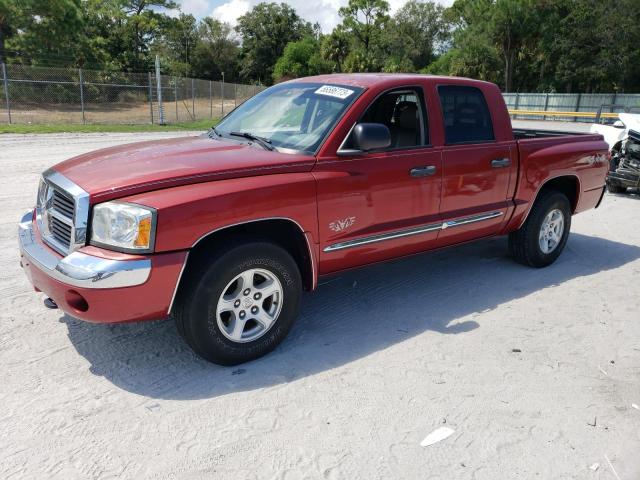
{"x": 541, "y": 239}
{"x": 242, "y": 304}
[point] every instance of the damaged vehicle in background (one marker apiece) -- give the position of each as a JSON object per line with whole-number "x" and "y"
{"x": 623, "y": 138}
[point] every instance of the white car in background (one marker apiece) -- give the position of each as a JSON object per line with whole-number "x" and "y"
{"x": 623, "y": 138}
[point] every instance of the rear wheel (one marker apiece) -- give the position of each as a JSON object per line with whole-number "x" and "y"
{"x": 242, "y": 304}
{"x": 541, "y": 239}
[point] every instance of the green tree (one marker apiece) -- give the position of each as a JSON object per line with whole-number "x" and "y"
{"x": 594, "y": 46}
{"x": 473, "y": 60}
{"x": 266, "y": 30}
{"x": 513, "y": 24}
{"x": 176, "y": 44}
{"x": 365, "y": 21}
{"x": 121, "y": 33}
{"x": 398, "y": 64}
{"x": 50, "y": 31}
{"x": 300, "y": 59}
{"x": 505, "y": 25}
{"x": 416, "y": 32}
{"x": 201, "y": 49}
{"x": 216, "y": 51}
{"x": 335, "y": 48}
{"x": 142, "y": 23}
{"x": 545, "y": 45}
{"x": 10, "y": 21}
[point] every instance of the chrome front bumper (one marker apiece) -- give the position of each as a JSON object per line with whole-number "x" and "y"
{"x": 79, "y": 269}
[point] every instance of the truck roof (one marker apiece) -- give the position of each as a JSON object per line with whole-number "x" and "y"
{"x": 366, "y": 80}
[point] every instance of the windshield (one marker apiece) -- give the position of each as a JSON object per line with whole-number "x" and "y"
{"x": 294, "y": 116}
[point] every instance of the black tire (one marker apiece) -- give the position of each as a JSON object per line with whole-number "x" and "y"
{"x": 616, "y": 188}
{"x": 196, "y": 314}
{"x": 524, "y": 243}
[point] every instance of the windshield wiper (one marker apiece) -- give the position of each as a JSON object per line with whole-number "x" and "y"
{"x": 264, "y": 142}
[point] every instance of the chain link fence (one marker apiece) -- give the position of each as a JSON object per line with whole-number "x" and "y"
{"x": 57, "y": 95}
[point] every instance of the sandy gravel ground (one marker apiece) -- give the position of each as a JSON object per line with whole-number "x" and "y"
{"x": 537, "y": 371}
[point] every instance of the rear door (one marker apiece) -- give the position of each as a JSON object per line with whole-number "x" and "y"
{"x": 476, "y": 168}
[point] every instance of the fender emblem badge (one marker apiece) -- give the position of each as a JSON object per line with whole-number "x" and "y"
{"x": 340, "y": 225}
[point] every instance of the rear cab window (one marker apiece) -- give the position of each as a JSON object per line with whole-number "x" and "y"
{"x": 465, "y": 114}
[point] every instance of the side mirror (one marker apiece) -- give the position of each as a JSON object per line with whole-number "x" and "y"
{"x": 619, "y": 124}
{"x": 371, "y": 136}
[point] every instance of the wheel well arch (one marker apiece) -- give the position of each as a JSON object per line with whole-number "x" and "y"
{"x": 567, "y": 184}
{"x": 284, "y": 232}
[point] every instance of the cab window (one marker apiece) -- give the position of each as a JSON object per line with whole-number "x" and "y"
{"x": 466, "y": 115}
{"x": 402, "y": 111}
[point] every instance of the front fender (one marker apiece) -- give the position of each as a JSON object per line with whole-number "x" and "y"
{"x": 189, "y": 212}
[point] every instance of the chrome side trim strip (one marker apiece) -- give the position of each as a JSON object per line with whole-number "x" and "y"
{"x": 411, "y": 231}
{"x": 79, "y": 269}
{"x": 471, "y": 219}
{"x": 382, "y": 237}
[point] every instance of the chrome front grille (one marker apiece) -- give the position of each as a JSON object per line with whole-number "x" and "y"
{"x": 60, "y": 230}
{"x": 63, "y": 204}
{"x": 62, "y": 212}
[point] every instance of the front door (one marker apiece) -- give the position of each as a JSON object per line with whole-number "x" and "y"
{"x": 382, "y": 204}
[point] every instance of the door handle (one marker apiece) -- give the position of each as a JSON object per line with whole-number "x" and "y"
{"x": 423, "y": 171}
{"x": 500, "y": 163}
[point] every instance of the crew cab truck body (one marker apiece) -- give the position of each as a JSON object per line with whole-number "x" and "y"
{"x": 308, "y": 178}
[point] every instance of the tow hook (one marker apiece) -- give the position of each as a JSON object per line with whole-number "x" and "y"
{"x": 49, "y": 303}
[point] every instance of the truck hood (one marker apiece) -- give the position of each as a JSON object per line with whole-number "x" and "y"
{"x": 140, "y": 167}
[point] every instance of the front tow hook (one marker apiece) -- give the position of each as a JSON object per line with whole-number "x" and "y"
{"x": 49, "y": 303}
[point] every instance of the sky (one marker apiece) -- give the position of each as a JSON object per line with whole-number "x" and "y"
{"x": 324, "y": 12}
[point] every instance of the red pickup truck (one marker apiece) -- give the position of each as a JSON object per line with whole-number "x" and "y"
{"x": 308, "y": 178}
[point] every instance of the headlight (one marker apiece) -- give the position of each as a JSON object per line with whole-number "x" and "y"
{"x": 123, "y": 226}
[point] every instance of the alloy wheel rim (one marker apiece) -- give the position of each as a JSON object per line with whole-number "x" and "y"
{"x": 249, "y": 305}
{"x": 551, "y": 231}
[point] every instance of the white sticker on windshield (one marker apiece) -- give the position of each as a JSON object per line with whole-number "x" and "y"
{"x": 332, "y": 91}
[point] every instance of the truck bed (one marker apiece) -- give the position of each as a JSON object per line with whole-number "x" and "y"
{"x": 526, "y": 133}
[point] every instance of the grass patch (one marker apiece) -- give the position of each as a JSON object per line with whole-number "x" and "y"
{"x": 101, "y": 128}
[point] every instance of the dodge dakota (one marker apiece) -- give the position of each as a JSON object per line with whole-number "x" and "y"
{"x": 310, "y": 177}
